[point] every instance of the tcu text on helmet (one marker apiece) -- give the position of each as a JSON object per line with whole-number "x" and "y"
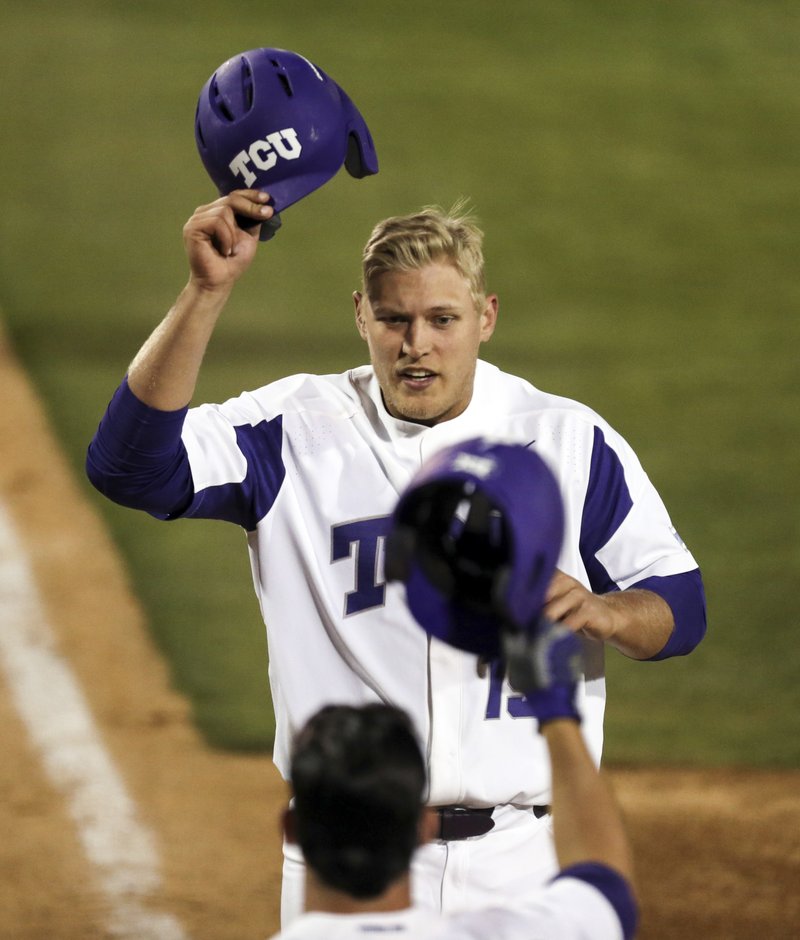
{"x": 264, "y": 154}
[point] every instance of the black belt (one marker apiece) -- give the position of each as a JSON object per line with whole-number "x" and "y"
{"x": 464, "y": 822}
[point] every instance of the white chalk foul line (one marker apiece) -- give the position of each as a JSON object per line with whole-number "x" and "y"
{"x": 60, "y": 724}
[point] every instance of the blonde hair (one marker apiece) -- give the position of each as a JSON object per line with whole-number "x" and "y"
{"x": 409, "y": 242}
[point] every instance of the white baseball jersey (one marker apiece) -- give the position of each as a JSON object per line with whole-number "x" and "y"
{"x": 568, "y": 908}
{"x": 312, "y": 466}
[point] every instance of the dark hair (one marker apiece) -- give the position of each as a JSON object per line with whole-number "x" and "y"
{"x": 358, "y": 778}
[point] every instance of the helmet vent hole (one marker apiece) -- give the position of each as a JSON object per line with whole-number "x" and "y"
{"x": 219, "y": 104}
{"x": 247, "y": 84}
{"x": 283, "y": 77}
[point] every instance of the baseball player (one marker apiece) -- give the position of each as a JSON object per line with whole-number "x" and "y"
{"x": 355, "y": 767}
{"x": 310, "y": 467}
{"x": 476, "y": 559}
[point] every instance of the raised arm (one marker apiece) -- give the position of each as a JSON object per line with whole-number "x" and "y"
{"x": 136, "y": 457}
{"x": 589, "y": 834}
{"x": 544, "y": 662}
{"x": 164, "y": 372}
{"x": 587, "y": 824}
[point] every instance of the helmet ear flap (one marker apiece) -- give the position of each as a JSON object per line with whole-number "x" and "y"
{"x": 353, "y": 161}
{"x": 360, "y": 159}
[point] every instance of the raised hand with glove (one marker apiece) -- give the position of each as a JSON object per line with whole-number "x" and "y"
{"x": 475, "y": 540}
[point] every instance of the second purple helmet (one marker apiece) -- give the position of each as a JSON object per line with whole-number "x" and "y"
{"x": 475, "y": 538}
{"x": 269, "y": 119}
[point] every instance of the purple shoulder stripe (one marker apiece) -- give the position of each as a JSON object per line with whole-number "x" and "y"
{"x": 613, "y": 886}
{"x": 246, "y": 503}
{"x": 607, "y": 503}
{"x": 137, "y": 459}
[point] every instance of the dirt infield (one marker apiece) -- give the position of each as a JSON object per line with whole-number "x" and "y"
{"x": 718, "y": 852}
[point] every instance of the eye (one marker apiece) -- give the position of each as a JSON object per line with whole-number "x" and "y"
{"x": 444, "y": 319}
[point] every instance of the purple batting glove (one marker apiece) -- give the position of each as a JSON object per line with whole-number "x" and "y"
{"x": 545, "y": 663}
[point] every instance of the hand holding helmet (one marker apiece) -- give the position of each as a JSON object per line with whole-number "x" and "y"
{"x": 270, "y": 120}
{"x": 544, "y": 663}
{"x": 475, "y": 539}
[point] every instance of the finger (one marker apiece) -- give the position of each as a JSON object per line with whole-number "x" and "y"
{"x": 559, "y": 585}
{"x": 566, "y": 607}
{"x": 557, "y": 612}
{"x": 220, "y": 230}
{"x": 215, "y": 224}
{"x": 572, "y": 620}
{"x": 256, "y": 195}
{"x": 222, "y": 237}
{"x": 250, "y": 213}
{"x": 251, "y": 204}
{"x": 557, "y": 607}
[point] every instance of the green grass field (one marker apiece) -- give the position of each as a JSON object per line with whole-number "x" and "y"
{"x": 635, "y": 168}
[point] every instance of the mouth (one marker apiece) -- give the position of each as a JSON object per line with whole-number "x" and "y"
{"x": 417, "y": 379}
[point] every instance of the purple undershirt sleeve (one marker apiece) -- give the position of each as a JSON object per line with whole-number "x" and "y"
{"x": 137, "y": 459}
{"x": 686, "y": 597}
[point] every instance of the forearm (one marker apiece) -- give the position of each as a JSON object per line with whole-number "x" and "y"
{"x": 587, "y": 824}
{"x": 636, "y": 622}
{"x": 642, "y": 622}
{"x": 164, "y": 372}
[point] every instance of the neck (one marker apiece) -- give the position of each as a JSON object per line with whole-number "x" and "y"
{"x": 320, "y": 897}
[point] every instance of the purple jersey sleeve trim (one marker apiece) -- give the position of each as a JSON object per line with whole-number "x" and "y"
{"x": 246, "y": 503}
{"x": 613, "y": 887}
{"x": 686, "y": 597}
{"x": 137, "y": 459}
{"x": 608, "y": 501}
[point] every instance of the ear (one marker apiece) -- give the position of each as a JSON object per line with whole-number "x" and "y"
{"x": 360, "y": 302}
{"x": 288, "y": 825}
{"x": 429, "y": 824}
{"x": 489, "y": 316}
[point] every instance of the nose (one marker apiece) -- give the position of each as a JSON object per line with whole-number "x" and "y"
{"x": 416, "y": 341}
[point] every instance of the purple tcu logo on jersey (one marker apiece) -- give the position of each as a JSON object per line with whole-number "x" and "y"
{"x": 363, "y": 541}
{"x": 264, "y": 153}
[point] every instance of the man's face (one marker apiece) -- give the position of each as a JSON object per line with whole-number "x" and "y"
{"x": 423, "y": 332}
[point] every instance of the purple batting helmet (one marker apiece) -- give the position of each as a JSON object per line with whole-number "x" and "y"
{"x": 269, "y": 119}
{"x": 475, "y": 538}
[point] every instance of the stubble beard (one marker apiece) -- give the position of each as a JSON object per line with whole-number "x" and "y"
{"x": 421, "y": 409}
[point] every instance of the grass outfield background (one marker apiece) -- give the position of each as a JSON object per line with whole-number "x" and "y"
{"x": 635, "y": 168}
